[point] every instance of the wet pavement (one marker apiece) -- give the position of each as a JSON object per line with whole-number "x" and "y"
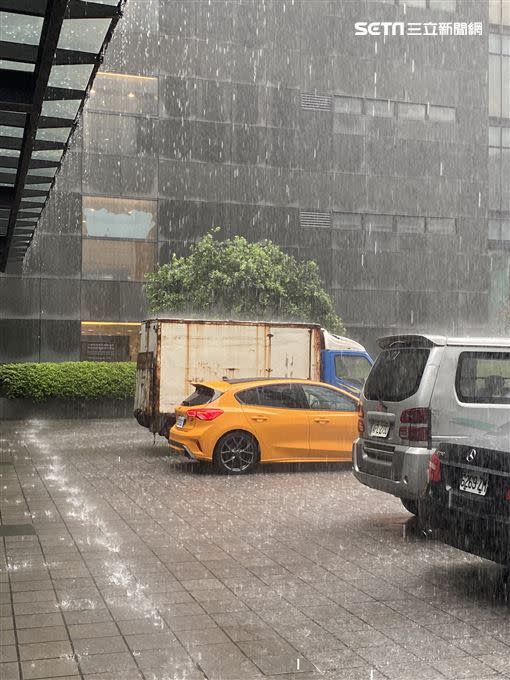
{"x": 121, "y": 561}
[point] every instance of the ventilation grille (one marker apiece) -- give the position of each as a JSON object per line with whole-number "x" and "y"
{"x": 315, "y": 101}
{"x": 314, "y": 219}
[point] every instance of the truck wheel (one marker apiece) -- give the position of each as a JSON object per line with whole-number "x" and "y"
{"x": 410, "y": 506}
{"x": 236, "y": 453}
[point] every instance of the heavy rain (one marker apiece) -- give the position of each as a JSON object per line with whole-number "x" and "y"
{"x": 255, "y": 339}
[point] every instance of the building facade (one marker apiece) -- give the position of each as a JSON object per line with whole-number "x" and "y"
{"x": 384, "y": 158}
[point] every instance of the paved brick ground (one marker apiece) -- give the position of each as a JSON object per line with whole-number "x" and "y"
{"x": 141, "y": 566}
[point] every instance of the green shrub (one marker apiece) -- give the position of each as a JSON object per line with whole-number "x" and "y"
{"x": 68, "y": 380}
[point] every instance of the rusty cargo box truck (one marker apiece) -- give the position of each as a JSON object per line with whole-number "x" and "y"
{"x": 175, "y": 353}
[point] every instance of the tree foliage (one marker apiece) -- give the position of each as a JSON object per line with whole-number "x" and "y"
{"x": 68, "y": 380}
{"x": 240, "y": 279}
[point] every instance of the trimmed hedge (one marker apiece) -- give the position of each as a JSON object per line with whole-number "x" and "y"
{"x": 68, "y": 380}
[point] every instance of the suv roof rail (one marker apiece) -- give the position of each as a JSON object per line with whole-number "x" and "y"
{"x": 426, "y": 340}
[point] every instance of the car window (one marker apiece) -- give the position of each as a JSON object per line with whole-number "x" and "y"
{"x": 201, "y": 395}
{"x": 396, "y": 374}
{"x": 284, "y": 395}
{"x": 249, "y": 397}
{"x": 323, "y": 399}
{"x": 483, "y": 377}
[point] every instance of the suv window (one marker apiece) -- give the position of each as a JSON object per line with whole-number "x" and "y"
{"x": 483, "y": 377}
{"x": 284, "y": 395}
{"x": 396, "y": 374}
{"x": 201, "y": 395}
{"x": 323, "y": 399}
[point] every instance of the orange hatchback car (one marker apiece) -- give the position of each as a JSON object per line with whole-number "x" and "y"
{"x": 236, "y": 424}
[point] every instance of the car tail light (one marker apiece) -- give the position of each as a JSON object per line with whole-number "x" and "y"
{"x": 507, "y": 497}
{"x": 434, "y": 471}
{"x": 417, "y": 428}
{"x": 204, "y": 413}
{"x": 361, "y": 422}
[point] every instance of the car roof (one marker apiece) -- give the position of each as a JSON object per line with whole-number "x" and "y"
{"x": 244, "y": 383}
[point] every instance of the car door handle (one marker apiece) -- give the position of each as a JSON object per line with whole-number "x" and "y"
{"x": 259, "y": 419}
{"x": 321, "y": 420}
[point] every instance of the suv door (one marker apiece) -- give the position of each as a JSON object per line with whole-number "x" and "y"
{"x": 276, "y": 414}
{"x": 333, "y": 422}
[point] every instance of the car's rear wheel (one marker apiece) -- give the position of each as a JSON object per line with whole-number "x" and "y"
{"x": 410, "y": 506}
{"x": 236, "y": 453}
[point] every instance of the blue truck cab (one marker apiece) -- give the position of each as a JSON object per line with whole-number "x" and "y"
{"x": 344, "y": 362}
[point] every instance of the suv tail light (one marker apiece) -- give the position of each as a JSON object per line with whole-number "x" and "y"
{"x": 434, "y": 471}
{"x": 204, "y": 413}
{"x": 361, "y": 422}
{"x": 417, "y": 427}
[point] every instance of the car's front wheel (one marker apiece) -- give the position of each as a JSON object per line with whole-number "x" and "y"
{"x": 236, "y": 453}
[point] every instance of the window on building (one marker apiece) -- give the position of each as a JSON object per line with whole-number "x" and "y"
{"x": 411, "y": 111}
{"x": 494, "y": 136}
{"x": 442, "y": 114}
{"x": 499, "y": 229}
{"x": 124, "y": 94}
{"x": 379, "y": 222}
{"x": 348, "y": 105}
{"x": 441, "y": 225}
{"x": 499, "y": 75}
{"x": 380, "y": 107}
{"x": 408, "y": 224}
{"x": 346, "y": 220}
{"x": 499, "y": 12}
{"x": 443, "y": 5}
{"x": 494, "y": 85}
{"x": 117, "y": 260}
{"x": 415, "y": 3}
{"x": 124, "y": 218}
{"x": 109, "y": 341}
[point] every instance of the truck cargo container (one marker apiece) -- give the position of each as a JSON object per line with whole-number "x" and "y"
{"x": 174, "y": 353}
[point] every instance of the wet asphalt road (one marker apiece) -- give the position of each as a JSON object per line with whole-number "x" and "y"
{"x": 121, "y": 561}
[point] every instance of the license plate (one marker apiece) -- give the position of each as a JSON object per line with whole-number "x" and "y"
{"x": 180, "y": 421}
{"x": 379, "y": 430}
{"x": 474, "y": 484}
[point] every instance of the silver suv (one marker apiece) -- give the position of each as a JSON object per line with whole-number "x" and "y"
{"x": 422, "y": 390}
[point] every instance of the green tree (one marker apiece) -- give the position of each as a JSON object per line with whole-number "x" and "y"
{"x": 244, "y": 280}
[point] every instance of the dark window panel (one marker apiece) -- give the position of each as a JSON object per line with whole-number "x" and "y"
{"x": 60, "y": 254}
{"x": 102, "y": 174}
{"x": 60, "y": 340}
{"x": 118, "y": 260}
{"x": 139, "y": 176}
{"x": 19, "y": 297}
{"x": 19, "y": 340}
{"x": 124, "y": 93}
{"x": 100, "y": 301}
{"x": 60, "y": 298}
